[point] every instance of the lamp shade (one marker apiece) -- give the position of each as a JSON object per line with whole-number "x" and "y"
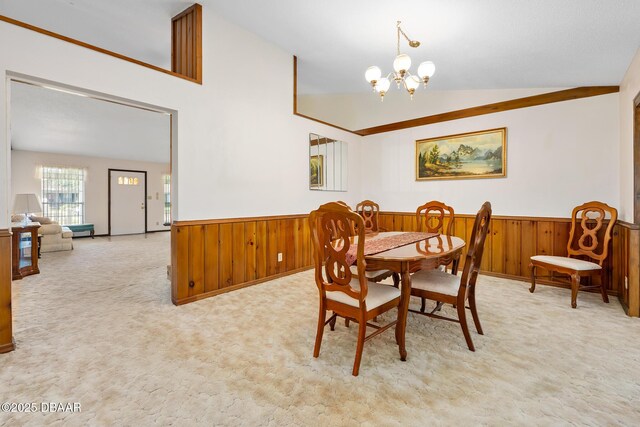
{"x": 26, "y": 203}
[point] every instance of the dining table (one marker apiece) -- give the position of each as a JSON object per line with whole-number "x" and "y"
{"x": 430, "y": 252}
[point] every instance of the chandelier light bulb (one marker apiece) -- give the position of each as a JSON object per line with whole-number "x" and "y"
{"x": 373, "y": 74}
{"x": 426, "y": 69}
{"x": 383, "y": 85}
{"x": 411, "y": 83}
{"x": 402, "y": 63}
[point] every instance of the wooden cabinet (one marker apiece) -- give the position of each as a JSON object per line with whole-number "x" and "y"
{"x": 24, "y": 250}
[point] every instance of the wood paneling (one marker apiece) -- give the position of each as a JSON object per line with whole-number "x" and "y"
{"x": 92, "y": 47}
{"x": 186, "y": 43}
{"x": 625, "y": 268}
{"x": 210, "y": 257}
{"x": 6, "y": 322}
{"x": 513, "y": 240}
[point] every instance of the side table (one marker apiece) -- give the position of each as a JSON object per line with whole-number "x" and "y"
{"x": 24, "y": 250}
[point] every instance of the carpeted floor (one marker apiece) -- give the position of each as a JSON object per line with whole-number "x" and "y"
{"x": 97, "y": 327}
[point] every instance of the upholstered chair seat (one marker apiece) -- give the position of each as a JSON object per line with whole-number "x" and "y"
{"x": 566, "y": 262}
{"x": 436, "y": 281}
{"x": 378, "y": 295}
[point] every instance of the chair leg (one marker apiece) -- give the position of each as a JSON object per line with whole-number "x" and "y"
{"x": 321, "y": 319}
{"x": 465, "y": 328}
{"x": 603, "y": 286}
{"x": 474, "y": 312}
{"x": 362, "y": 332}
{"x": 332, "y": 324}
{"x": 532, "y": 269}
{"x": 423, "y": 306}
{"x": 575, "y": 286}
{"x": 396, "y": 279}
{"x": 346, "y": 322}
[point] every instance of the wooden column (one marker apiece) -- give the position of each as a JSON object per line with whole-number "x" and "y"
{"x": 634, "y": 273}
{"x": 186, "y": 43}
{"x": 6, "y": 321}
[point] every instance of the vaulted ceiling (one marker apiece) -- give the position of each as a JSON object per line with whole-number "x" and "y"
{"x": 476, "y": 44}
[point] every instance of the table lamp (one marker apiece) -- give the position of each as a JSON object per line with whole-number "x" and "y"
{"x": 27, "y": 203}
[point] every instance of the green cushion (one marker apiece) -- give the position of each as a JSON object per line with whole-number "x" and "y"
{"x": 80, "y": 227}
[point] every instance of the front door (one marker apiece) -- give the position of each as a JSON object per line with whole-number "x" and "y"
{"x": 127, "y": 207}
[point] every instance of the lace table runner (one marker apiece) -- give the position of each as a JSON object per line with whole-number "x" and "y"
{"x": 375, "y": 246}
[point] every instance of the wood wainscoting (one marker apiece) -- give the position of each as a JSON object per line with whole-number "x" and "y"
{"x": 211, "y": 257}
{"x": 6, "y": 322}
{"x": 216, "y": 256}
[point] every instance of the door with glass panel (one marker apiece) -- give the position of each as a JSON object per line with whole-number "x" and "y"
{"x": 127, "y": 202}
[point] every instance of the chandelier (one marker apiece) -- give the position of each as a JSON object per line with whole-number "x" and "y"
{"x": 401, "y": 74}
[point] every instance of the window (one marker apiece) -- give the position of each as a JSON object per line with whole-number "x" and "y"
{"x": 125, "y": 180}
{"x": 63, "y": 194}
{"x": 166, "y": 180}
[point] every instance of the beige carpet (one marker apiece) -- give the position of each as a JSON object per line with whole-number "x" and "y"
{"x": 97, "y": 327}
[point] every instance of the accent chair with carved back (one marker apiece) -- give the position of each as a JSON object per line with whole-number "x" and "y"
{"x": 587, "y": 249}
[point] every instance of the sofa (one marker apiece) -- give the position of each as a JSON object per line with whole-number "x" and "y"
{"x": 54, "y": 236}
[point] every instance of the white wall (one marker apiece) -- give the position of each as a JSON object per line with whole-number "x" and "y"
{"x": 629, "y": 89}
{"x": 363, "y": 110}
{"x": 239, "y": 150}
{"x": 558, "y": 156}
{"x": 25, "y": 178}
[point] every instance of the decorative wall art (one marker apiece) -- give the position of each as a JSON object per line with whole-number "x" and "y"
{"x": 467, "y": 155}
{"x": 316, "y": 170}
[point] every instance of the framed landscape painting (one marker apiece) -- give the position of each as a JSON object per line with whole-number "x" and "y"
{"x": 467, "y": 155}
{"x": 316, "y": 170}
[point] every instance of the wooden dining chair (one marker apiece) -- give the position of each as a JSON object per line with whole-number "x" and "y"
{"x": 446, "y": 288}
{"x": 587, "y": 221}
{"x": 346, "y": 294}
{"x": 436, "y": 217}
{"x": 369, "y": 211}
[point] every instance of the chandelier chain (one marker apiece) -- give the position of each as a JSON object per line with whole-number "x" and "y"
{"x": 400, "y": 31}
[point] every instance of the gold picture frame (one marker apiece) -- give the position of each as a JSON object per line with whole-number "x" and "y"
{"x": 316, "y": 171}
{"x": 470, "y": 155}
